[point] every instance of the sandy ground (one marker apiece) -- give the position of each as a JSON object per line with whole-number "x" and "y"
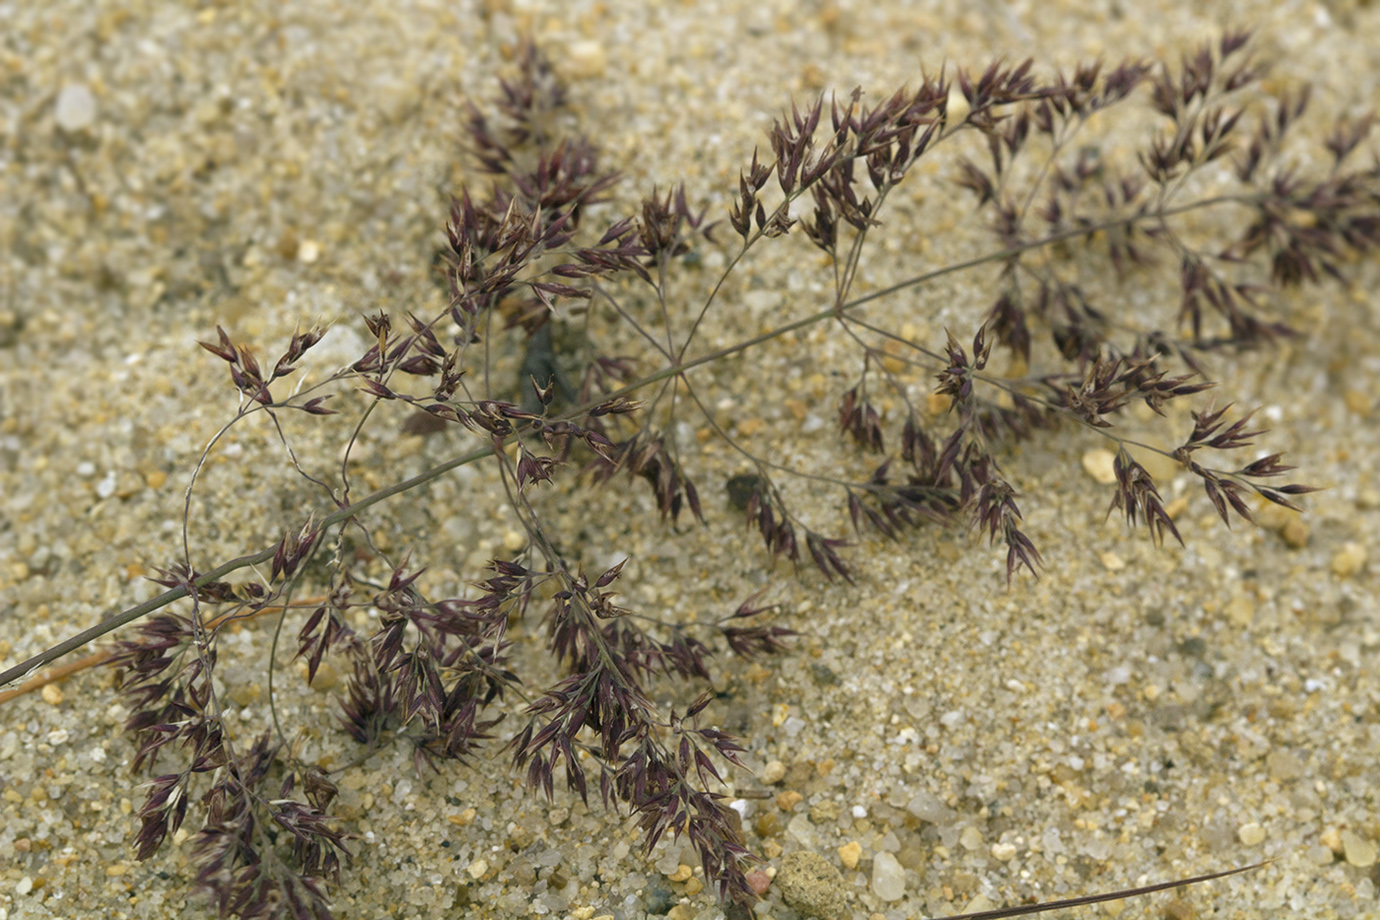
{"x": 1135, "y": 715}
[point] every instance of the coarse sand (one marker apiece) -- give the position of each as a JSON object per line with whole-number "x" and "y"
{"x": 939, "y": 741}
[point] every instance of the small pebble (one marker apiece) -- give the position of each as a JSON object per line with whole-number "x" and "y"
{"x": 76, "y": 107}
{"x": 971, "y": 838}
{"x": 1251, "y": 835}
{"x": 25, "y": 885}
{"x": 811, "y": 886}
{"x": 1295, "y": 532}
{"x": 957, "y": 107}
{"x": 52, "y": 694}
{"x": 1319, "y": 855}
{"x": 803, "y": 831}
{"x": 1358, "y": 401}
{"x": 978, "y": 904}
{"x": 1359, "y": 851}
{"x": 327, "y": 678}
{"x": 893, "y": 359}
{"x": 477, "y": 868}
{"x": 849, "y": 854}
{"x": 659, "y": 899}
{"x": 929, "y": 808}
{"x": 748, "y": 427}
{"x": 888, "y": 878}
{"x": 1284, "y": 765}
{"x": 464, "y": 819}
{"x": 587, "y": 58}
{"x": 768, "y": 824}
{"x": 1099, "y": 463}
{"x": 1349, "y": 560}
{"x": 1240, "y": 611}
{"x": 1003, "y": 852}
